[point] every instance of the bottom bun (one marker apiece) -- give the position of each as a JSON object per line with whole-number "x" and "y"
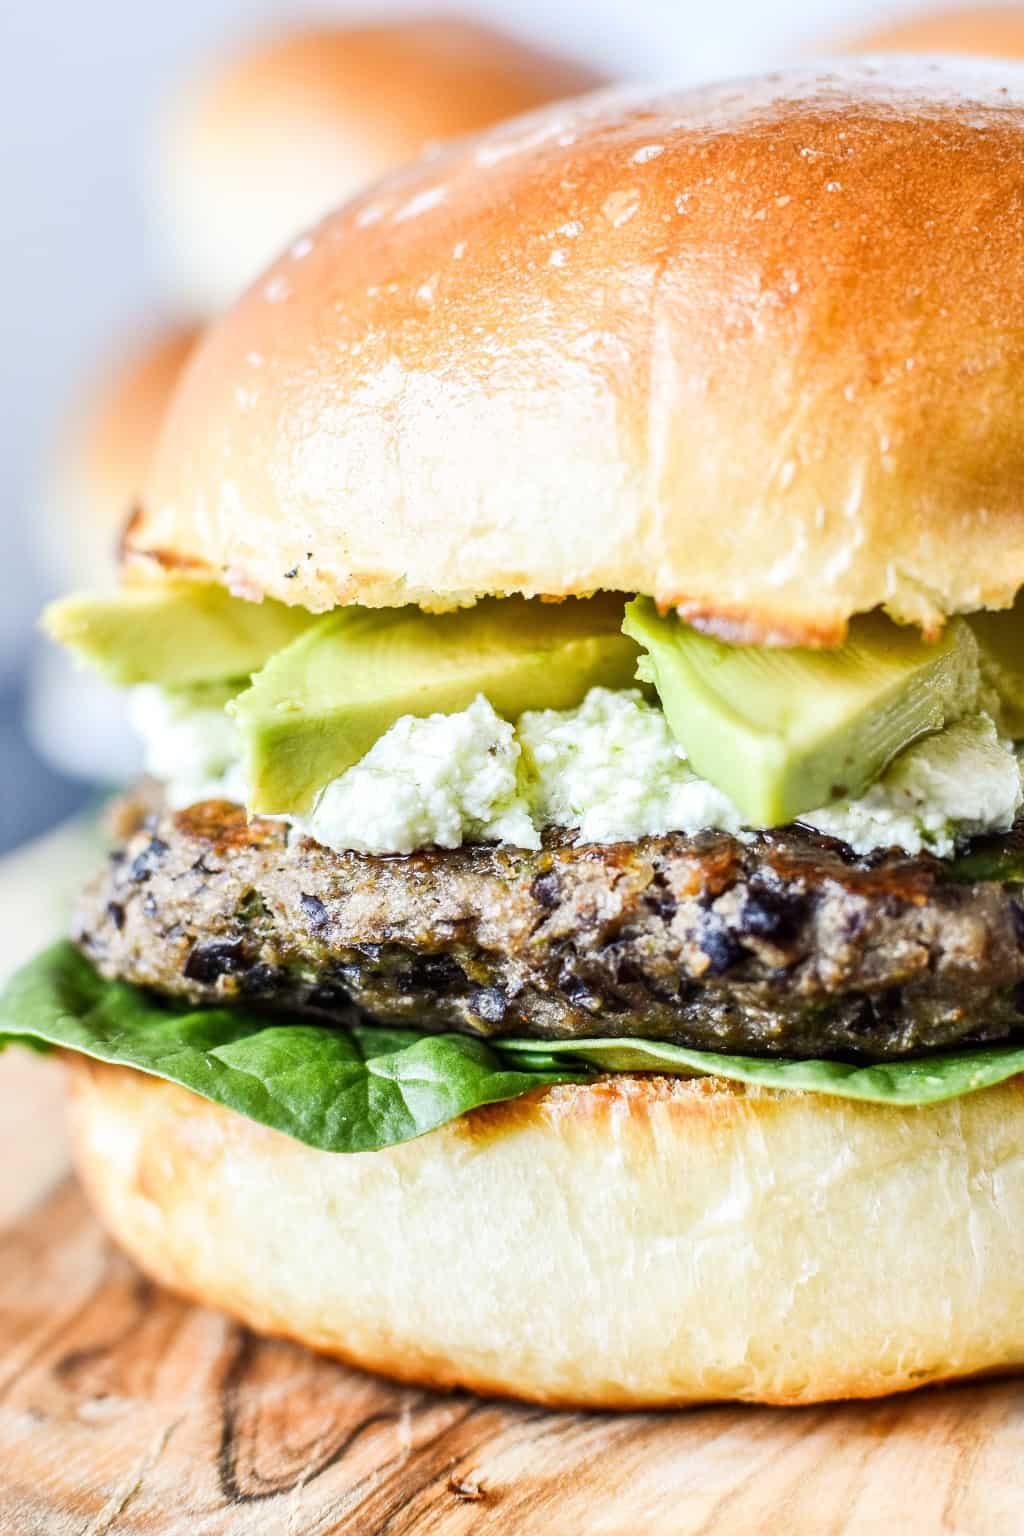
{"x": 634, "y": 1242}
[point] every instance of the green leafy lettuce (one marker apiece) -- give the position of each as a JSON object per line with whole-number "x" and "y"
{"x": 342, "y": 1090}
{"x": 364, "y": 1087}
{"x": 921, "y": 1080}
{"x": 990, "y": 858}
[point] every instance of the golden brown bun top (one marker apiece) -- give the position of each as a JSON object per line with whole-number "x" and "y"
{"x": 995, "y": 30}
{"x": 754, "y": 349}
{"x": 105, "y": 453}
{"x": 272, "y": 137}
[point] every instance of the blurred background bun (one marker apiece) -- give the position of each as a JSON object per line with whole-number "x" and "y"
{"x": 101, "y": 465}
{"x": 274, "y": 135}
{"x": 996, "y": 30}
{"x": 104, "y": 453}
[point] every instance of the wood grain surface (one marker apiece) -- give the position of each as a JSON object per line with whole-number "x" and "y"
{"x": 124, "y": 1410}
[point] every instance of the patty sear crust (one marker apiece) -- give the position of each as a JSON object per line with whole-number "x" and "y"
{"x": 786, "y": 944}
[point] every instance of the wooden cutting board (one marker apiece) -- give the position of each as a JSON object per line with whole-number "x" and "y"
{"x": 124, "y": 1410}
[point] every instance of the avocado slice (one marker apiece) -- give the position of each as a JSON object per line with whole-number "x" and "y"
{"x": 317, "y": 707}
{"x": 783, "y": 731}
{"x": 175, "y": 634}
{"x": 1000, "y": 638}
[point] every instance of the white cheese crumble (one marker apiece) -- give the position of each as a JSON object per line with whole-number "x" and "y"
{"x": 613, "y": 769}
{"x": 190, "y": 746}
{"x": 443, "y": 779}
{"x": 956, "y": 784}
{"x": 610, "y": 769}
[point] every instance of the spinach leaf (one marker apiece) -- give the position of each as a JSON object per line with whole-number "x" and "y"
{"x": 913, "y": 1080}
{"x": 342, "y": 1090}
{"x": 363, "y": 1087}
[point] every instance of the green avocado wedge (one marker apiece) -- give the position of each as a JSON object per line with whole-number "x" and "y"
{"x": 176, "y": 634}
{"x": 784, "y": 731}
{"x": 318, "y": 706}
{"x": 366, "y": 1087}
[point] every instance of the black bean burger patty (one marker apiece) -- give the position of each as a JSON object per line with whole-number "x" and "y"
{"x": 784, "y": 944}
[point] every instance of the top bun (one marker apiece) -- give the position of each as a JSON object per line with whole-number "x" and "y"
{"x": 103, "y": 459}
{"x": 272, "y": 138}
{"x": 753, "y": 349}
{"x": 995, "y": 30}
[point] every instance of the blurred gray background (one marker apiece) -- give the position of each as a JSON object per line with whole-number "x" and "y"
{"x": 77, "y": 87}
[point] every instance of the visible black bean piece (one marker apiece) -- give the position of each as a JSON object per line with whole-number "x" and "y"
{"x": 432, "y": 973}
{"x": 773, "y": 912}
{"x": 142, "y": 866}
{"x": 316, "y": 914}
{"x": 663, "y": 903}
{"x": 721, "y": 946}
{"x": 546, "y": 889}
{"x": 578, "y": 991}
{"x": 488, "y": 1004}
{"x": 218, "y": 957}
{"x": 260, "y": 979}
{"x": 115, "y": 912}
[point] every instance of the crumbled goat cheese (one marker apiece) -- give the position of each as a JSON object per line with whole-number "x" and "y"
{"x": 443, "y": 779}
{"x": 190, "y": 746}
{"x": 613, "y": 769}
{"x": 948, "y": 787}
{"x": 610, "y": 769}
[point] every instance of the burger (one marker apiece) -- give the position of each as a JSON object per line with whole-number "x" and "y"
{"x": 571, "y": 941}
{"x": 274, "y": 134}
{"x": 104, "y": 454}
